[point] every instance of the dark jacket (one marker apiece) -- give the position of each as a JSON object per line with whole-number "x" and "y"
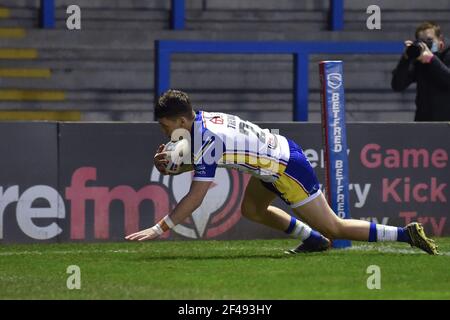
{"x": 433, "y": 85}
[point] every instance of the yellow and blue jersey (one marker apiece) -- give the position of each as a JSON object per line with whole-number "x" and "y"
{"x": 225, "y": 140}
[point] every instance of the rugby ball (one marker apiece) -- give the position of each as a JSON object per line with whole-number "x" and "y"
{"x": 176, "y": 152}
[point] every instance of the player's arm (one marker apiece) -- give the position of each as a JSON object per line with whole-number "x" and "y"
{"x": 184, "y": 209}
{"x": 184, "y": 168}
{"x": 205, "y": 171}
{"x": 188, "y": 204}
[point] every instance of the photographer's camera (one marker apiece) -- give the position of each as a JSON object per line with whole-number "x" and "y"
{"x": 415, "y": 50}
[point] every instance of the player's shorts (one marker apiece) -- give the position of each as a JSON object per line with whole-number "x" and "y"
{"x": 298, "y": 184}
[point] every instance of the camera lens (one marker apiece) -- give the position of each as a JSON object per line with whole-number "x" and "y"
{"x": 429, "y": 43}
{"x": 414, "y": 50}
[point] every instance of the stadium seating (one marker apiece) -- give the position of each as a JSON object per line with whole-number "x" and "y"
{"x": 106, "y": 70}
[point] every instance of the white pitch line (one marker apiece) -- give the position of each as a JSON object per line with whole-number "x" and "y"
{"x": 13, "y": 253}
{"x": 382, "y": 249}
{"x": 387, "y": 249}
{"x": 18, "y": 253}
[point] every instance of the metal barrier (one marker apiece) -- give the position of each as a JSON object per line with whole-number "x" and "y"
{"x": 178, "y": 12}
{"x": 336, "y": 15}
{"x": 47, "y": 14}
{"x": 300, "y": 51}
{"x": 177, "y": 15}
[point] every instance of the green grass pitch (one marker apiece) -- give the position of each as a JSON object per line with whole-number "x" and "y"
{"x": 255, "y": 269}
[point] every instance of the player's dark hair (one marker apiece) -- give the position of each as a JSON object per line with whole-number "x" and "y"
{"x": 173, "y": 103}
{"x": 429, "y": 25}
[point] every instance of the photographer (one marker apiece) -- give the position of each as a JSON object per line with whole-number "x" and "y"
{"x": 427, "y": 62}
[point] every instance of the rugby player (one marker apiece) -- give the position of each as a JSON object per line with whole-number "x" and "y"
{"x": 278, "y": 167}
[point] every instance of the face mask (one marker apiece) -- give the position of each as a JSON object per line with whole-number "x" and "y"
{"x": 435, "y": 47}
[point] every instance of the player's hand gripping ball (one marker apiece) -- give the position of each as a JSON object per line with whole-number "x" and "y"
{"x": 177, "y": 152}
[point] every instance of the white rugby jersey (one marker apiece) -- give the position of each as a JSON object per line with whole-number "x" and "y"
{"x": 225, "y": 140}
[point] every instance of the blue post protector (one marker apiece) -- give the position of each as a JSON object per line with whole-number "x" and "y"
{"x": 335, "y": 140}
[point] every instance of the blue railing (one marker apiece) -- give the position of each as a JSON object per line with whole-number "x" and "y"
{"x": 177, "y": 15}
{"x": 336, "y": 14}
{"x": 47, "y": 14}
{"x": 177, "y": 21}
{"x": 300, "y": 51}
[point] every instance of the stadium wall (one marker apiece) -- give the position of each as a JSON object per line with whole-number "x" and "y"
{"x": 63, "y": 182}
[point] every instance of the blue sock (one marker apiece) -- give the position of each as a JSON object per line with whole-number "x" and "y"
{"x": 403, "y": 236}
{"x": 373, "y": 232}
{"x": 314, "y": 237}
{"x": 387, "y": 233}
{"x": 291, "y": 226}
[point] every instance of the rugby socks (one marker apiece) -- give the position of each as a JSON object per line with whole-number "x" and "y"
{"x": 299, "y": 230}
{"x": 379, "y": 232}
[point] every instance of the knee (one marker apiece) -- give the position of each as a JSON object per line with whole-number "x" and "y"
{"x": 249, "y": 211}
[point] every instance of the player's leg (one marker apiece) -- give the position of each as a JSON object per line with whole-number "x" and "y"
{"x": 256, "y": 207}
{"x": 318, "y": 214}
{"x": 299, "y": 186}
